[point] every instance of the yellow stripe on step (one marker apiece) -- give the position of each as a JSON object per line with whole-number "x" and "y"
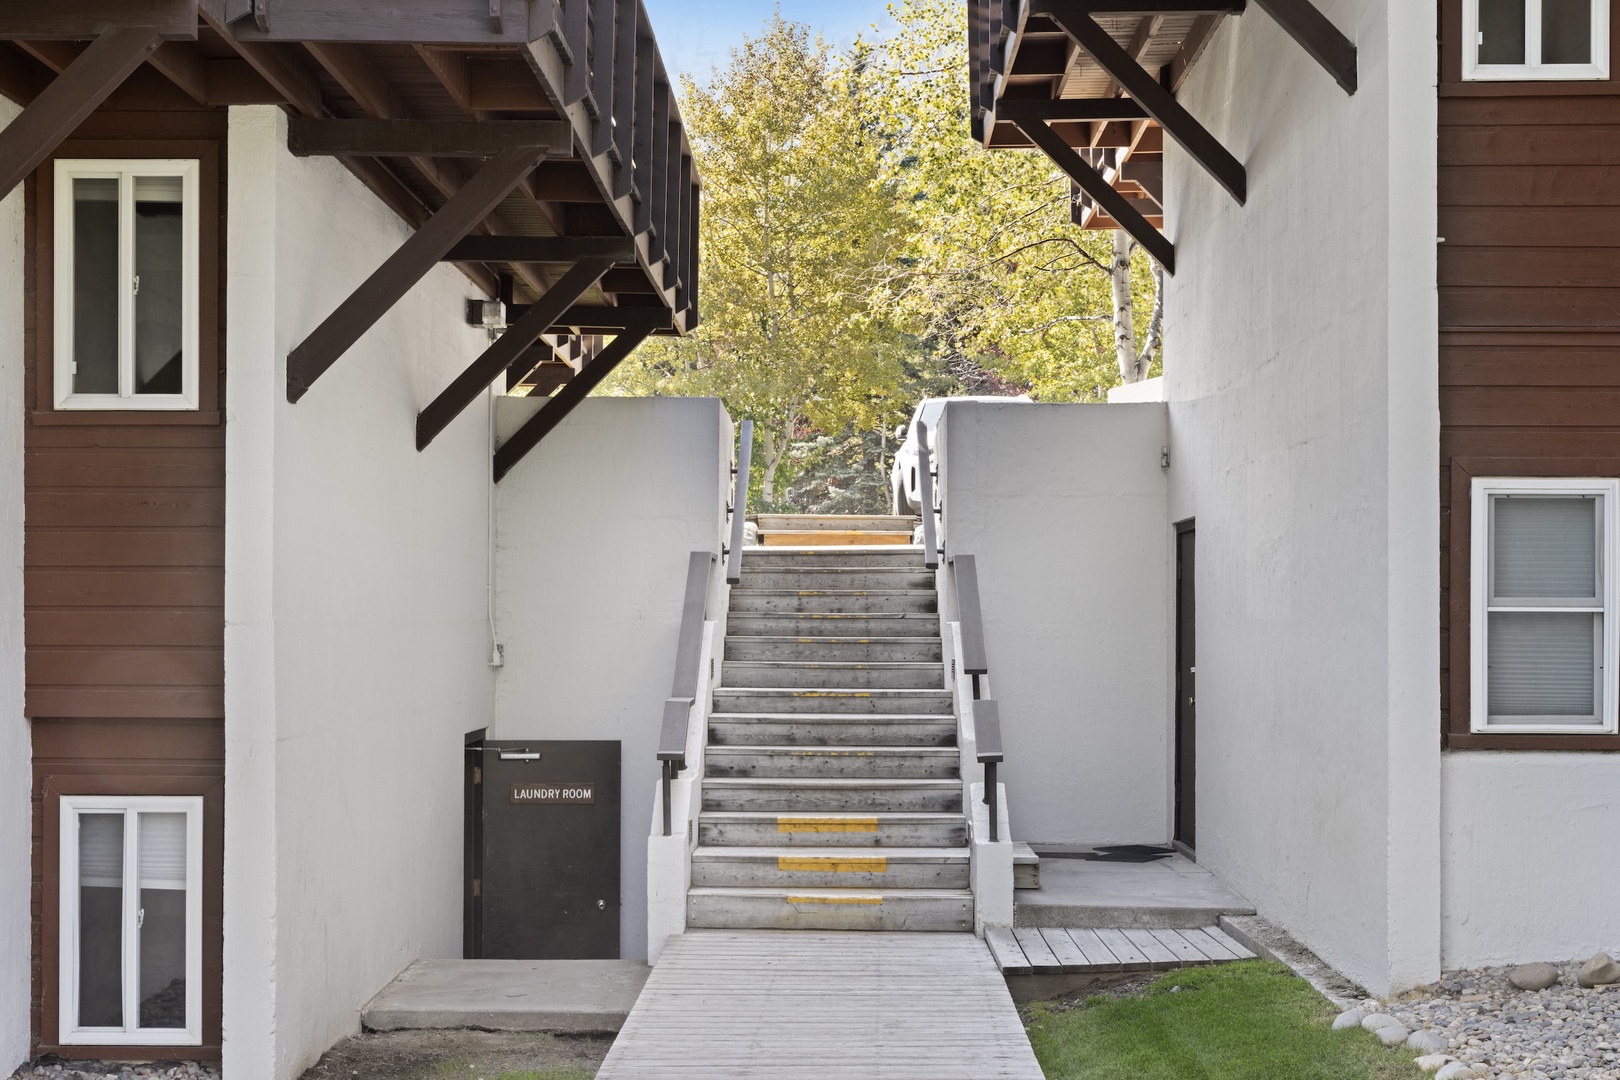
{"x": 833, "y": 864}
{"x": 878, "y": 900}
{"x": 826, "y": 824}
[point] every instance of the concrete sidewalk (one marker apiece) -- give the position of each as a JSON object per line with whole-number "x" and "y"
{"x": 509, "y": 995}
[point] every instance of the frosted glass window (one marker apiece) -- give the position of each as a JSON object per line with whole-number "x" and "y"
{"x": 1566, "y": 31}
{"x": 126, "y": 284}
{"x": 1501, "y": 31}
{"x": 131, "y": 920}
{"x": 1543, "y": 639}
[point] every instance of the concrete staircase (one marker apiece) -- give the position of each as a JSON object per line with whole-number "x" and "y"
{"x": 832, "y": 793}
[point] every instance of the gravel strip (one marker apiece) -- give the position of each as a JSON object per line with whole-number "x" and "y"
{"x": 51, "y": 1067}
{"x": 1562, "y": 1032}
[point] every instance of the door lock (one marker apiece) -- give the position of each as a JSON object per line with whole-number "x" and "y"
{"x": 601, "y": 905}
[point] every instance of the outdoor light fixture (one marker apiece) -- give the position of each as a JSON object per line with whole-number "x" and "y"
{"x": 490, "y": 314}
{"x": 520, "y": 755}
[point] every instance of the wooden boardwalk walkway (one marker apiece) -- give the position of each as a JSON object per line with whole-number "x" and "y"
{"x": 1027, "y": 951}
{"x": 802, "y": 1004}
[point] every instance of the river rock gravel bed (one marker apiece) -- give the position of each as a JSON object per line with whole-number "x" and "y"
{"x": 1564, "y": 1032}
{"x": 54, "y": 1068}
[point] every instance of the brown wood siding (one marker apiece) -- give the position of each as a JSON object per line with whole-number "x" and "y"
{"x": 124, "y": 566}
{"x": 124, "y": 757}
{"x": 1529, "y": 282}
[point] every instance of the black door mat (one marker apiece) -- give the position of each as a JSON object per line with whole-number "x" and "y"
{"x": 1121, "y": 853}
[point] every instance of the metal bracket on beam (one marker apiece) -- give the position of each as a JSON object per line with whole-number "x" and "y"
{"x": 1091, "y": 181}
{"x": 1159, "y": 103}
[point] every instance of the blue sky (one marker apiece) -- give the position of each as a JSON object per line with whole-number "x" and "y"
{"x": 696, "y": 36}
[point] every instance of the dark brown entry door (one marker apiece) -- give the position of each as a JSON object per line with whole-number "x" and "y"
{"x": 548, "y": 879}
{"x": 1186, "y": 689}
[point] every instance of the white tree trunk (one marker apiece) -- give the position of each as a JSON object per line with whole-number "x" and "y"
{"x": 1124, "y": 311}
{"x": 1155, "y": 327}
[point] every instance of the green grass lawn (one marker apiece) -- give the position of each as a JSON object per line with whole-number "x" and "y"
{"x": 1249, "y": 1021}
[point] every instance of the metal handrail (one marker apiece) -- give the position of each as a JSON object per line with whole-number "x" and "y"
{"x": 684, "y": 690}
{"x": 925, "y": 493}
{"x": 739, "y": 502}
{"x": 986, "y": 713}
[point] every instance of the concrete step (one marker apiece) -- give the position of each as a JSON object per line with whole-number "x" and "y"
{"x": 843, "y": 601}
{"x": 837, "y": 522}
{"x": 755, "y": 829}
{"x": 830, "y": 909}
{"x": 797, "y": 576}
{"x": 830, "y": 868}
{"x": 880, "y": 650}
{"x": 834, "y": 675}
{"x": 872, "y": 625}
{"x": 757, "y": 699}
{"x": 830, "y": 729}
{"x": 763, "y": 558}
{"x": 810, "y": 796}
{"x": 805, "y": 762}
{"x": 850, "y": 538}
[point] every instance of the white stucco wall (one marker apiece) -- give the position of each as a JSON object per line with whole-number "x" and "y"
{"x": 1532, "y": 857}
{"x": 356, "y": 629}
{"x": 1304, "y": 437}
{"x": 15, "y": 753}
{"x": 594, "y": 528}
{"x": 1063, "y": 507}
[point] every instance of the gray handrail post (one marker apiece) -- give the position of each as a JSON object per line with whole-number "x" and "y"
{"x": 684, "y": 688}
{"x": 739, "y": 502}
{"x": 987, "y": 731}
{"x": 925, "y": 492}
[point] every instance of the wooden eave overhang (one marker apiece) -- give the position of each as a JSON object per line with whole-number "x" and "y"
{"x": 1093, "y": 83}
{"x": 536, "y": 144}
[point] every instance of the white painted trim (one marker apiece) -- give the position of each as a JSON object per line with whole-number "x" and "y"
{"x": 125, "y": 171}
{"x": 1532, "y": 69}
{"x": 68, "y": 971}
{"x": 1482, "y": 488}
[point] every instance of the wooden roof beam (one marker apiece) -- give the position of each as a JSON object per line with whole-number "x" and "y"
{"x": 403, "y": 269}
{"x": 562, "y": 403}
{"x": 1158, "y": 102}
{"x": 62, "y": 106}
{"x": 1317, "y": 35}
{"x": 44, "y": 20}
{"x": 426, "y": 138}
{"x": 517, "y": 339}
{"x": 1102, "y": 192}
{"x": 542, "y": 249}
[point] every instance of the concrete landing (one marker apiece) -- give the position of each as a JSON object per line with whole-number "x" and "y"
{"x": 804, "y": 1005}
{"x": 1171, "y": 893}
{"x": 509, "y": 995}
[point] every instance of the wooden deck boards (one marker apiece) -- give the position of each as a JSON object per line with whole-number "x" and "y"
{"x": 1049, "y": 951}
{"x": 797, "y": 1004}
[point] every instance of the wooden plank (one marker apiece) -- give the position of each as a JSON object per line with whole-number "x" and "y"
{"x": 542, "y": 249}
{"x": 1041, "y": 957}
{"x": 52, "y": 19}
{"x": 1069, "y": 956}
{"x": 1541, "y": 145}
{"x": 179, "y": 627}
{"x": 166, "y": 588}
{"x": 34, "y": 135}
{"x": 1230, "y": 943}
{"x": 1531, "y": 269}
{"x": 307, "y": 137}
{"x": 1527, "y": 185}
{"x": 1096, "y": 950}
{"x": 125, "y": 701}
{"x": 1008, "y": 953}
{"x": 1529, "y": 307}
{"x": 86, "y": 667}
{"x": 1186, "y": 951}
{"x": 1207, "y": 945}
{"x": 1528, "y": 227}
{"x": 191, "y": 548}
{"x": 137, "y": 509}
{"x": 405, "y": 267}
{"x": 390, "y": 22}
{"x": 1151, "y": 947}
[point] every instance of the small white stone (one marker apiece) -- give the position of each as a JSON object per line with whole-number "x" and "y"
{"x": 1392, "y": 1036}
{"x": 1379, "y": 1020}
{"x": 1352, "y": 1018}
{"x": 1432, "y": 1062}
{"x": 1427, "y": 1042}
{"x": 1455, "y": 1071}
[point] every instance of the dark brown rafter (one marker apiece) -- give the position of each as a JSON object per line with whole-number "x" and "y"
{"x": 600, "y": 318}
{"x": 539, "y": 318}
{"x": 47, "y": 19}
{"x": 423, "y": 138}
{"x": 544, "y": 249}
{"x": 73, "y": 95}
{"x": 1317, "y": 35}
{"x": 1092, "y": 182}
{"x": 564, "y": 401}
{"x": 1177, "y": 122}
{"x": 403, "y": 269}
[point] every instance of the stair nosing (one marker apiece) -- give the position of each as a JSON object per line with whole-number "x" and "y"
{"x": 910, "y": 853}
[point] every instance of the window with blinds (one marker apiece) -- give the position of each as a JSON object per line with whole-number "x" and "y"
{"x": 131, "y": 920}
{"x": 1543, "y": 635}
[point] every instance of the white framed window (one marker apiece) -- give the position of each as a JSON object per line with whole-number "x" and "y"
{"x": 1535, "y": 39}
{"x": 131, "y": 920}
{"x": 126, "y": 292}
{"x": 1543, "y": 626}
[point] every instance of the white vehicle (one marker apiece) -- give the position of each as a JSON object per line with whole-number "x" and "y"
{"x": 903, "y": 474}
